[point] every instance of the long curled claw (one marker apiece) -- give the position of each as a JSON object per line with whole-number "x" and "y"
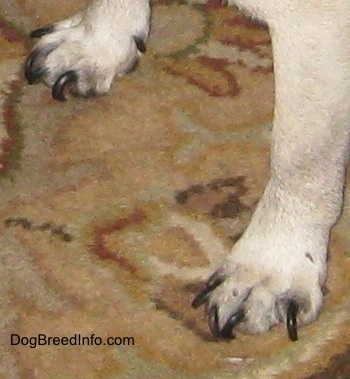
{"x": 213, "y": 282}
{"x": 38, "y": 33}
{"x": 226, "y": 331}
{"x": 33, "y": 75}
{"x": 212, "y": 310}
{"x": 235, "y": 319}
{"x": 213, "y": 321}
{"x": 292, "y": 326}
{"x": 61, "y": 84}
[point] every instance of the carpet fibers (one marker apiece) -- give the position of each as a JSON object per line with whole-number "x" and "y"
{"x": 114, "y": 209}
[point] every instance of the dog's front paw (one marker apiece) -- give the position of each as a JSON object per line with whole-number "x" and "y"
{"x": 87, "y": 51}
{"x": 274, "y": 274}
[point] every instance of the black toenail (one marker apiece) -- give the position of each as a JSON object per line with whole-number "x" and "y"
{"x": 235, "y": 319}
{"x": 33, "y": 75}
{"x": 292, "y": 326}
{"x": 213, "y": 282}
{"x": 37, "y": 33}
{"x": 61, "y": 84}
{"x": 213, "y": 321}
{"x": 140, "y": 44}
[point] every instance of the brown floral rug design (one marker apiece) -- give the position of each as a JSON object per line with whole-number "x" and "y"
{"x": 113, "y": 210}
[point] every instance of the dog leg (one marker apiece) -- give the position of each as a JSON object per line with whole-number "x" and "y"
{"x": 276, "y": 271}
{"x": 90, "y": 48}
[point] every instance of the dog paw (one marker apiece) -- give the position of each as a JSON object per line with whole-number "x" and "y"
{"x": 88, "y": 50}
{"x": 273, "y": 274}
{"x": 254, "y": 299}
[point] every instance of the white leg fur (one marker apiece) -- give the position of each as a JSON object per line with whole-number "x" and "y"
{"x": 282, "y": 255}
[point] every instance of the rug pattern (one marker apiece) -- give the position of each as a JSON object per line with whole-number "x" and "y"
{"x": 114, "y": 210}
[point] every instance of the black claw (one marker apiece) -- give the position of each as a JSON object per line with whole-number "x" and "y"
{"x": 292, "y": 326}
{"x": 37, "y": 33}
{"x": 140, "y": 44}
{"x": 61, "y": 84}
{"x": 226, "y": 331}
{"x": 33, "y": 75}
{"x": 202, "y": 297}
{"x": 235, "y": 319}
{"x": 213, "y": 321}
{"x": 32, "y": 70}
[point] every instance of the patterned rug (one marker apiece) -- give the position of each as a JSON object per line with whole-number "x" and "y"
{"x": 113, "y": 210}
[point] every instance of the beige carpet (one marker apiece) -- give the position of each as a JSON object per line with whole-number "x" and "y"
{"x": 114, "y": 209}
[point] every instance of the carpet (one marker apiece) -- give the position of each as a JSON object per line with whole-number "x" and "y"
{"x": 115, "y": 209}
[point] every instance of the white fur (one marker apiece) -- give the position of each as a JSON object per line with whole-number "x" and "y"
{"x": 96, "y": 43}
{"x": 282, "y": 254}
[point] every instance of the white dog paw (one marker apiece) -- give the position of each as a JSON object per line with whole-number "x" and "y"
{"x": 87, "y": 51}
{"x": 266, "y": 280}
